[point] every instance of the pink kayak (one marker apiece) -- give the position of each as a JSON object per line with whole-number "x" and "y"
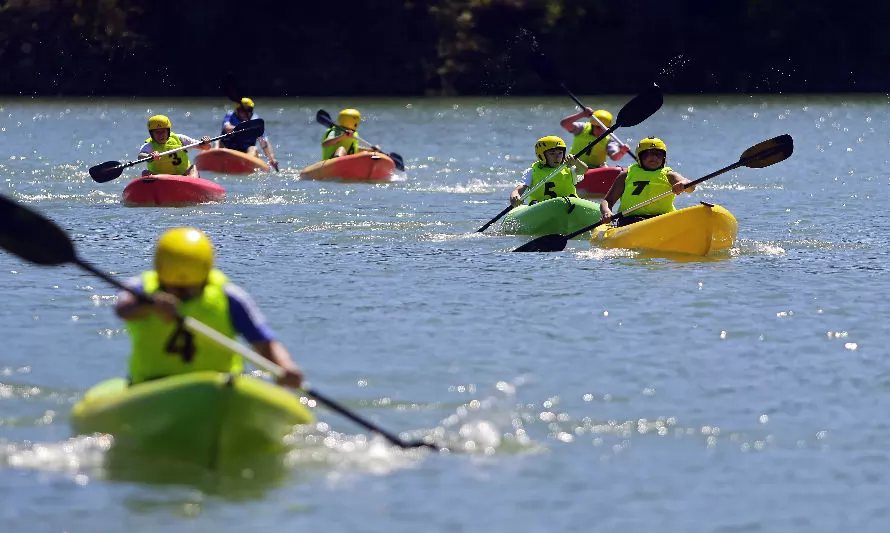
{"x": 226, "y": 161}
{"x": 364, "y": 166}
{"x": 171, "y": 191}
{"x": 597, "y": 181}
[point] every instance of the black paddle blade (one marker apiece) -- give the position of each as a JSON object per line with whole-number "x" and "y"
{"x": 107, "y": 171}
{"x": 643, "y": 106}
{"x": 253, "y": 126}
{"x": 397, "y": 159}
{"x": 768, "y": 152}
{"x": 323, "y": 118}
{"x": 548, "y": 243}
{"x": 29, "y": 235}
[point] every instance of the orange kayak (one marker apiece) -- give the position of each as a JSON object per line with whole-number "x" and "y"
{"x": 364, "y": 166}
{"x": 165, "y": 190}
{"x": 597, "y": 181}
{"x": 227, "y": 161}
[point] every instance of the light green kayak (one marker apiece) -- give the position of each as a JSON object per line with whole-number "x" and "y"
{"x": 210, "y": 419}
{"x": 556, "y": 215}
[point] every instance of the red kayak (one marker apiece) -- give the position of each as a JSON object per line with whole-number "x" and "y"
{"x": 364, "y": 166}
{"x": 227, "y": 161}
{"x": 165, "y": 190}
{"x": 597, "y": 181}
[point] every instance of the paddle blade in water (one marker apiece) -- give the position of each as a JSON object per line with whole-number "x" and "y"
{"x": 643, "y": 106}
{"x": 548, "y": 243}
{"x": 397, "y": 159}
{"x": 29, "y": 235}
{"x": 107, "y": 171}
{"x": 768, "y": 152}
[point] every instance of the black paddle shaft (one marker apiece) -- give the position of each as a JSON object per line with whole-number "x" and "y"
{"x": 545, "y": 70}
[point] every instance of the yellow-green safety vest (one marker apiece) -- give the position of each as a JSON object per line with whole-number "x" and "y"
{"x": 349, "y": 143}
{"x": 597, "y": 156}
{"x": 561, "y": 184}
{"x": 641, "y": 185}
{"x": 150, "y": 334}
{"x": 176, "y": 163}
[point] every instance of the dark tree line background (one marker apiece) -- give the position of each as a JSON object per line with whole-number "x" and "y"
{"x": 440, "y": 47}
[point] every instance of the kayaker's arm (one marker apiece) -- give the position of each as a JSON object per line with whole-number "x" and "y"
{"x": 372, "y": 148}
{"x": 267, "y": 149}
{"x": 678, "y": 183}
{"x": 204, "y": 142}
{"x": 516, "y": 195}
{"x": 276, "y": 352}
{"x": 146, "y": 151}
{"x": 617, "y": 153}
{"x": 612, "y": 197}
{"x": 580, "y": 166}
{"x": 128, "y": 307}
{"x": 568, "y": 123}
{"x": 248, "y": 321}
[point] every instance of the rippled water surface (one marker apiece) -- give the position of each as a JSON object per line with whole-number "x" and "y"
{"x": 582, "y": 390}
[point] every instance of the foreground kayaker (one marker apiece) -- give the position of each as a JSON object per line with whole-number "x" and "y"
{"x": 162, "y": 139}
{"x": 643, "y": 181}
{"x": 341, "y": 139}
{"x": 551, "y": 152}
{"x": 184, "y": 279}
{"x": 245, "y": 143}
{"x": 586, "y": 132}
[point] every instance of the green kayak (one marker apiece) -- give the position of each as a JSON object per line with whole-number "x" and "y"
{"x": 556, "y": 215}
{"x": 211, "y": 419}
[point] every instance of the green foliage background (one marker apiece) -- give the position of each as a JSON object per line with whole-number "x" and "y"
{"x": 440, "y": 47}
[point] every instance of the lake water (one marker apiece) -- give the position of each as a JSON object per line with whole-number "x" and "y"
{"x": 579, "y": 391}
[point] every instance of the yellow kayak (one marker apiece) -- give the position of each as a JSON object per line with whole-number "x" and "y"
{"x": 697, "y": 230}
{"x": 211, "y": 419}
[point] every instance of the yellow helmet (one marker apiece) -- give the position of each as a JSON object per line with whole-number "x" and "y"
{"x": 651, "y": 143}
{"x": 159, "y": 122}
{"x": 183, "y": 257}
{"x": 604, "y": 116}
{"x": 245, "y": 103}
{"x": 349, "y": 118}
{"x": 548, "y": 143}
